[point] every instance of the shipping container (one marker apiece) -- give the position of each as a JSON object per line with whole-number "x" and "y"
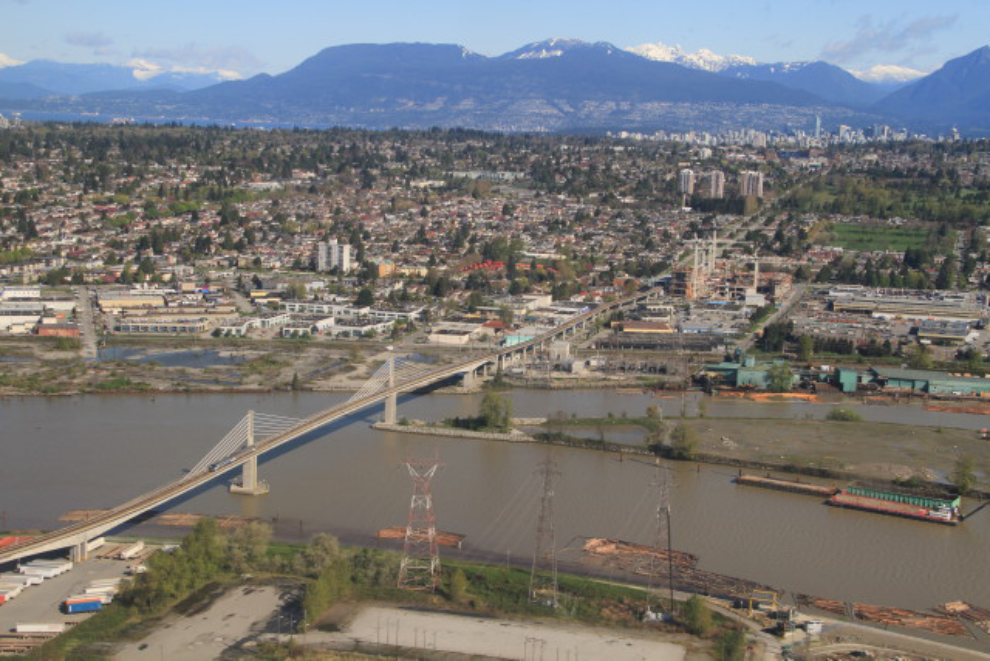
{"x": 11, "y": 590}
{"x": 83, "y": 606}
{"x": 23, "y": 579}
{"x": 105, "y": 582}
{"x": 101, "y": 589}
{"x": 61, "y": 563}
{"x": 51, "y": 567}
{"x": 55, "y": 627}
{"x": 132, "y": 551}
{"x": 43, "y": 572}
{"x": 79, "y": 598}
{"x": 94, "y": 544}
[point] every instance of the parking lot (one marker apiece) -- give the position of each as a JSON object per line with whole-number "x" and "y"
{"x": 40, "y": 603}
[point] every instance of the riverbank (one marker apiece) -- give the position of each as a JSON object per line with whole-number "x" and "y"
{"x": 869, "y": 452}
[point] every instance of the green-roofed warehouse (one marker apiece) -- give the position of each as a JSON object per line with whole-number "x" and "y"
{"x": 933, "y": 383}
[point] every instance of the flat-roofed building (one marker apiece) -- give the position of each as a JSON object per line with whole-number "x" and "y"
{"x": 162, "y": 326}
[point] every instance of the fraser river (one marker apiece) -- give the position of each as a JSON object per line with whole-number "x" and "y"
{"x": 58, "y": 454}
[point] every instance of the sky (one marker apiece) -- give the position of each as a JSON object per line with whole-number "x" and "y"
{"x": 245, "y": 37}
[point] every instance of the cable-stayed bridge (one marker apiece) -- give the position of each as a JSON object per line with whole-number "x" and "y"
{"x": 257, "y": 434}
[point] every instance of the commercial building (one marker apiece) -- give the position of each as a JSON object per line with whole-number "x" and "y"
{"x": 946, "y": 306}
{"x": 20, "y": 316}
{"x": 933, "y": 383}
{"x": 162, "y": 326}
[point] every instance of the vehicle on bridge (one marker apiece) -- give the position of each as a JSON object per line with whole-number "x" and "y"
{"x": 214, "y": 467}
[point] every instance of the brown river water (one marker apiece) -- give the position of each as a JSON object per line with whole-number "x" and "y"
{"x": 58, "y": 454}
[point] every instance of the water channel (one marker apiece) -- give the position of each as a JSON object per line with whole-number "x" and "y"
{"x": 58, "y": 454}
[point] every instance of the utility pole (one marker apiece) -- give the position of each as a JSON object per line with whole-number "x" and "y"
{"x": 420, "y": 568}
{"x": 543, "y": 576}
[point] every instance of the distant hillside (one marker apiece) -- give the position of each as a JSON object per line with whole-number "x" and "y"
{"x": 825, "y": 80}
{"x": 22, "y": 81}
{"x": 958, "y": 94}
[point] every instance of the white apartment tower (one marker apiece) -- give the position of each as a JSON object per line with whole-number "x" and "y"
{"x": 685, "y": 181}
{"x": 751, "y": 184}
{"x": 331, "y": 255}
{"x": 715, "y": 184}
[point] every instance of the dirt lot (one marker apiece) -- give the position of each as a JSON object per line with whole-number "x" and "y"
{"x": 241, "y": 613}
{"x": 501, "y": 638}
{"x": 871, "y": 449}
{"x": 38, "y": 366}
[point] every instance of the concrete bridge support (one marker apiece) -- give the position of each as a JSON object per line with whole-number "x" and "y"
{"x": 250, "y": 485}
{"x": 392, "y": 401}
{"x": 78, "y": 552}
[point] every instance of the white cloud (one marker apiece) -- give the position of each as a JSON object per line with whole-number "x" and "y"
{"x": 98, "y": 42}
{"x": 888, "y": 73}
{"x": 891, "y": 36}
{"x": 228, "y": 62}
{"x": 8, "y": 61}
{"x": 145, "y": 69}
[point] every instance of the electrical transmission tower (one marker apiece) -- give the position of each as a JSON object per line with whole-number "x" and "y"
{"x": 661, "y": 538}
{"x": 543, "y": 577}
{"x": 420, "y": 568}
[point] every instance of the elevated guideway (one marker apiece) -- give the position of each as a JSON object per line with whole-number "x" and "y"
{"x": 217, "y": 464}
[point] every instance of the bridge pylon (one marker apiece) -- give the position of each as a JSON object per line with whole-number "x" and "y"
{"x": 249, "y": 484}
{"x": 392, "y": 401}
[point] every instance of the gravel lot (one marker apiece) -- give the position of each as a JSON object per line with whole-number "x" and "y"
{"x": 508, "y": 639}
{"x": 241, "y": 613}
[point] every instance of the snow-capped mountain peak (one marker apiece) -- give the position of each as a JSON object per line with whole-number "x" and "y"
{"x": 540, "y": 50}
{"x": 888, "y": 73}
{"x": 8, "y": 61}
{"x": 703, "y": 58}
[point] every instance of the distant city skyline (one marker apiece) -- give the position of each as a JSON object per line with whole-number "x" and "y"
{"x": 249, "y": 37}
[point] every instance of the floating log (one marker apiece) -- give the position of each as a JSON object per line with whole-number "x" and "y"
{"x": 791, "y": 486}
{"x": 451, "y": 539}
{"x": 614, "y": 547}
{"x": 643, "y": 560}
{"x": 888, "y": 616}
{"x": 960, "y": 609}
{"x": 172, "y": 519}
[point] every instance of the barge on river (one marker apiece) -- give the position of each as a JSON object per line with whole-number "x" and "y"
{"x": 898, "y": 504}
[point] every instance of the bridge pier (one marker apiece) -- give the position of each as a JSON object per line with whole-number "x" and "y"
{"x": 249, "y": 484}
{"x": 79, "y": 551}
{"x": 470, "y": 379}
{"x": 392, "y": 401}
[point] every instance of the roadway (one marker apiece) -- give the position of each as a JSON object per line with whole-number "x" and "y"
{"x": 76, "y": 535}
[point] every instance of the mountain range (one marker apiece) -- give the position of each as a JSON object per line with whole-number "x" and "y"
{"x": 553, "y": 85}
{"x": 39, "y": 78}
